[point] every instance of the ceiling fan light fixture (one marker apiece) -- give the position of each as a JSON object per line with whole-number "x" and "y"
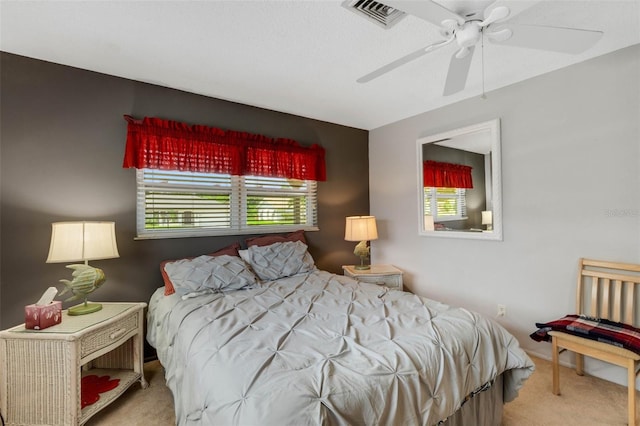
{"x": 469, "y": 34}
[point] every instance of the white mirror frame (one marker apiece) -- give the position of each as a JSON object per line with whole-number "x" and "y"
{"x": 493, "y": 126}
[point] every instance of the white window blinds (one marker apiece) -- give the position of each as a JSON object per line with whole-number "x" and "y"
{"x": 445, "y": 203}
{"x": 181, "y": 204}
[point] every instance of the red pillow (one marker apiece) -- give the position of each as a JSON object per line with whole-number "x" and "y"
{"x": 231, "y": 250}
{"x": 265, "y": 240}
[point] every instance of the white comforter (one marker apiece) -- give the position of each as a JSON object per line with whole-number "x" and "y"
{"x": 319, "y": 348}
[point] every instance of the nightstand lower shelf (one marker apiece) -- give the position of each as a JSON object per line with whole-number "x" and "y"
{"x": 126, "y": 377}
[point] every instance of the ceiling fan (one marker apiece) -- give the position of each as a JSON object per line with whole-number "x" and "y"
{"x": 467, "y": 25}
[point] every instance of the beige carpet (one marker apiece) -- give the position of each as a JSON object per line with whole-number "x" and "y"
{"x": 141, "y": 407}
{"x": 585, "y": 401}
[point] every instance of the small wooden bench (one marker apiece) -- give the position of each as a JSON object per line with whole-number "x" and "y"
{"x": 605, "y": 290}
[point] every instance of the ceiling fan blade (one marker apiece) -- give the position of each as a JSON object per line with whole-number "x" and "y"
{"x": 403, "y": 60}
{"x": 458, "y": 72}
{"x": 425, "y": 9}
{"x": 556, "y": 39}
{"x": 499, "y": 36}
{"x": 515, "y": 7}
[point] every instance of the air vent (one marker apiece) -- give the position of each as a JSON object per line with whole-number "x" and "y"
{"x": 378, "y": 13}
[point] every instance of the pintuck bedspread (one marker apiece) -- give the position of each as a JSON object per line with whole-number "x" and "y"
{"x": 319, "y": 349}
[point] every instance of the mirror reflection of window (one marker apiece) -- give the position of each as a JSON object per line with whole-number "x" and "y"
{"x": 460, "y": 182}
{"x": 445, "y": 203}
{"x": 460, "y": 207}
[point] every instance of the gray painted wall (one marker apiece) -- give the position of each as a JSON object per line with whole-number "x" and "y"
{"x": 62, "y": 141}
{"x": 570, "y": 189}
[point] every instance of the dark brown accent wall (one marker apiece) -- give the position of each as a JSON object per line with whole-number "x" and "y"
{"x": 62, "y": 138}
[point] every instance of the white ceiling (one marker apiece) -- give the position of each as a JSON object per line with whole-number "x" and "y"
{"x": 301, "y": 57}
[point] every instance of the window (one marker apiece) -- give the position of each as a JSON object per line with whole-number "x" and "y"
{"x": 195, "y": 180}
{"x": 184, "y": 204}
{"x": 445, "y": 203}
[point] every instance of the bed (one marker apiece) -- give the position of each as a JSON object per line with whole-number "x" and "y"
{"x": 287, "y": 343}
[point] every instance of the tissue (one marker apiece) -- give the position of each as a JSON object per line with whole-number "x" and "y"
{"x": 44, "y": 313}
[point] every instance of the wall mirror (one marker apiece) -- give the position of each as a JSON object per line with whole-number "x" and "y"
{"x": 459, "y": 183}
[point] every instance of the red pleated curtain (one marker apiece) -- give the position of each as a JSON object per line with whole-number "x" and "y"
{"x": 155, "y": 143}
{"x": 447, "y": 175}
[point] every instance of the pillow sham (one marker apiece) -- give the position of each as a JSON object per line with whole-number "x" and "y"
{"x": 205, "y": 274}
{"x": 614, "y": 333}
{"x": 231, "y": 250}
{"x": 265, "y": 240}
{"x": 278, "y": 260}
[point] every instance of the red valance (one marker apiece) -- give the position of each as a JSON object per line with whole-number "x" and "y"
{"x": 155, "y": 143}
{"x": 446, "y": 175}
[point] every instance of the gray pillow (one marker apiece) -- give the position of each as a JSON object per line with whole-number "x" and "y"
{"x": 278, "y": 260}
{"x": 207, "y": 274}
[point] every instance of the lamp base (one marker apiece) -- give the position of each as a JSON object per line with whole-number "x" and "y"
{"x": 85, "y": 308}
{"x": 361, "y": 267}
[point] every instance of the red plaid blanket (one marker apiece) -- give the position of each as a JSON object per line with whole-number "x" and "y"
{"x": 602, "y": 330}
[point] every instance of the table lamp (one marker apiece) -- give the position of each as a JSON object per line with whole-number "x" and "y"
{"x": 429, "y": 225}
{"x": 362, "y": 229}
{"x": 487, "y": 219}
{"x": 82, "y": 241}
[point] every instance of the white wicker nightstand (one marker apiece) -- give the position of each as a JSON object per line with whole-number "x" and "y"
{"x": 40, "y": 371}
{"x": 387, "y": 275}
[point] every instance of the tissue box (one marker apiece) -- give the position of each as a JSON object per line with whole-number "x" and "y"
{"x": 39, "y": 317}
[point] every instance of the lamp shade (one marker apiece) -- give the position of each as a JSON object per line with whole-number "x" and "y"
{"x": 82, "y": 241}
{"x": 361, "y": 228}
{"x": 428, "y": 223}
{"x": 487, "y": 217}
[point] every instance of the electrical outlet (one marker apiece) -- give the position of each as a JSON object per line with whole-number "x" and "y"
{"x": 502, "y": 310}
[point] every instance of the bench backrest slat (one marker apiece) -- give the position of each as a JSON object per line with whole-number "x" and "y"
{"x": 608, "y": 290}
{"x": 629, "y": 297}
{"x": 605, "y": 298}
